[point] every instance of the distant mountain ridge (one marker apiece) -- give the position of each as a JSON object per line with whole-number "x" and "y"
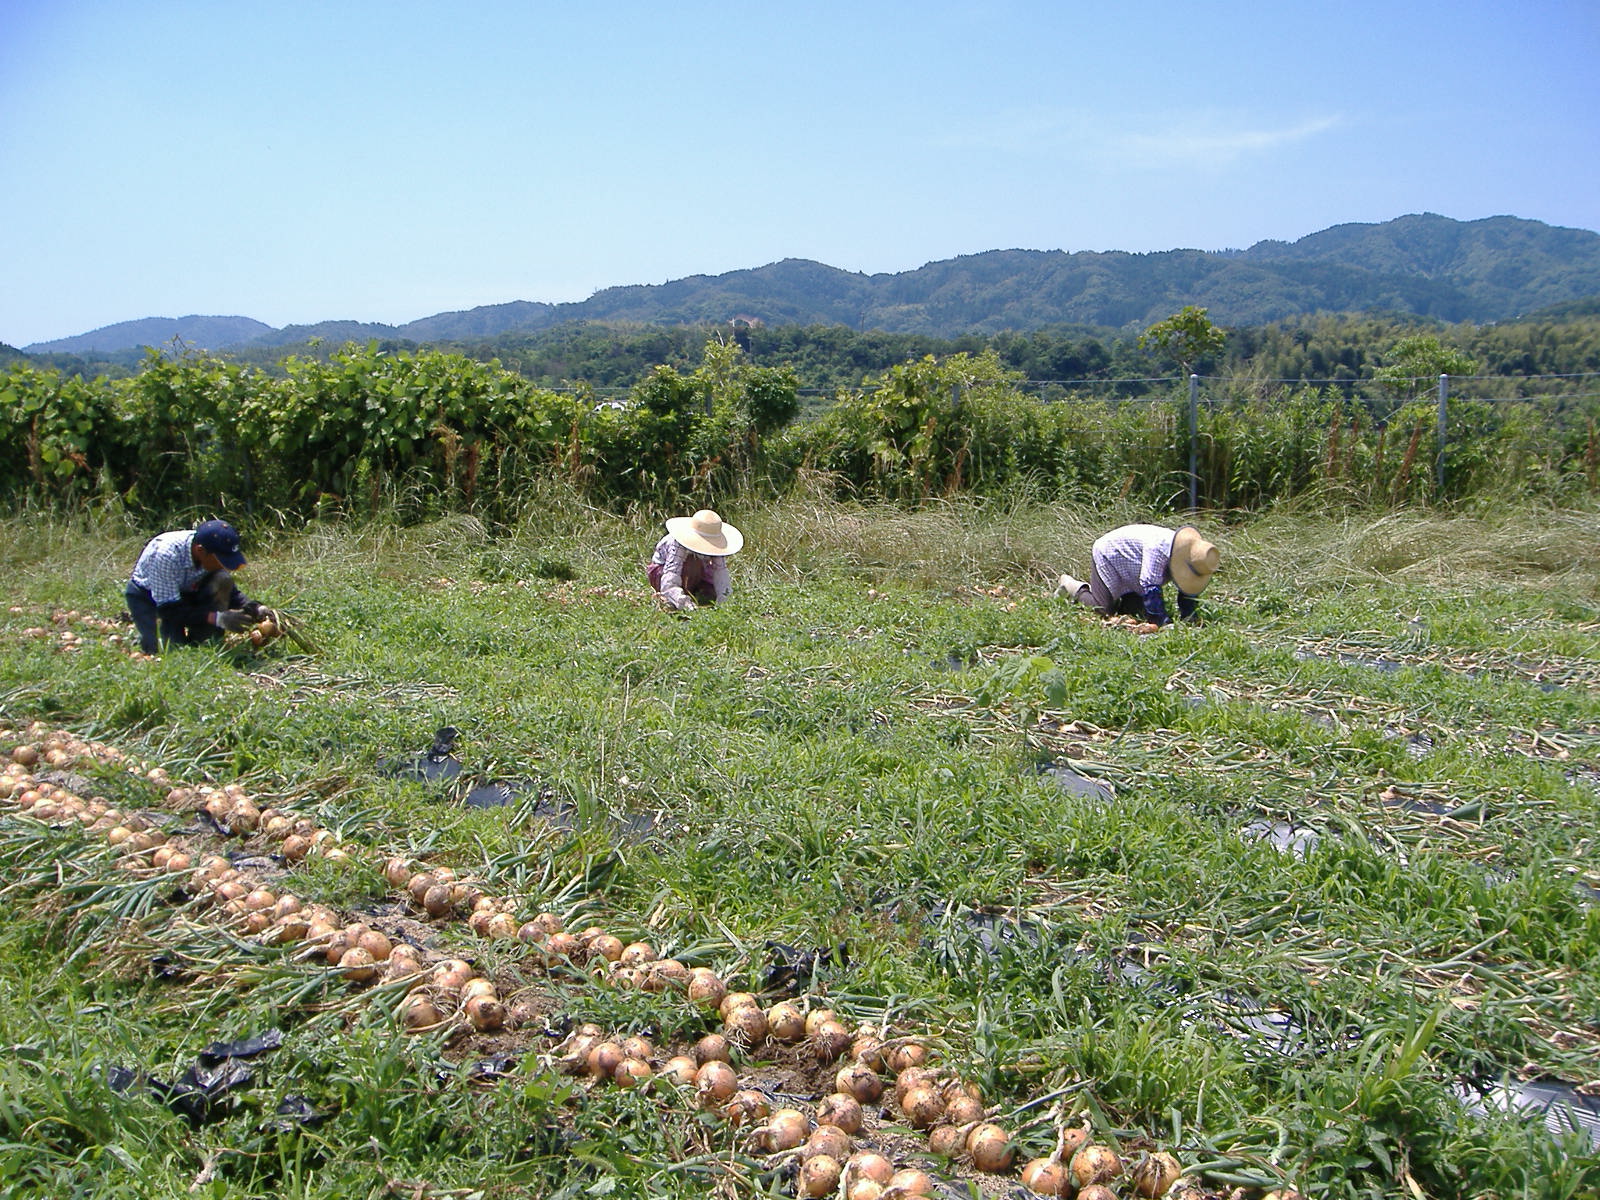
{"x": 1492, "y": 269}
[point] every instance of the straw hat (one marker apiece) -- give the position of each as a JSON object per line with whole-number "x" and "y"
{"x": 1193, "y": 562}
{"x": 706, "y": 533}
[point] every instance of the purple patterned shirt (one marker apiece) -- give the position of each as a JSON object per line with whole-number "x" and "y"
{"x": 1131, "y": 559}
{"x": 682, "y": 571}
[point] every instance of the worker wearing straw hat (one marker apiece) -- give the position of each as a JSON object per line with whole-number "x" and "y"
{"x": 690, "y": 565}
{"x": 1132, "y": 564}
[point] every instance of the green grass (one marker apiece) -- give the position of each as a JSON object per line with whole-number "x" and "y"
{"x": 846, "y": 754}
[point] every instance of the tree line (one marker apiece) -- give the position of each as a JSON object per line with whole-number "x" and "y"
{"x": 421, "y": 431}
{"x": 1346, "y": 350}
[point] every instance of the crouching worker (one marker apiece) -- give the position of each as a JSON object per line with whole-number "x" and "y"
{"x": 182, "y": 590}
{"x": 690, "y": 565}
{"x": 1132, "y": 564}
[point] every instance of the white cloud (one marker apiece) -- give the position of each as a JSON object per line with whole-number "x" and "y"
{"x": 1153, "y": 141}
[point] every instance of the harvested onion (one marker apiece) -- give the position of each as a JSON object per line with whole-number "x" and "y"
{"x": 819, "y": 1176}
{"x": 1154, "y": 1173}
{"x": 1095, "y": 1164}
{"x": 1047, "y": 1177}
{"x": 990, "y": 1147}
{"x": 841, "y": 1110}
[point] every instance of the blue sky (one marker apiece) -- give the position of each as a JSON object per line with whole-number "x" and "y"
{"x": 298, "y": 162}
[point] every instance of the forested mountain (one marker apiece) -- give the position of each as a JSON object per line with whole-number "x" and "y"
{"x": 1423, "y": 265}
{"x": 208, "y": 333}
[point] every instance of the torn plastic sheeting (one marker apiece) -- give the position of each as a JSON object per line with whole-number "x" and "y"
{"x": 295, "y": 1112}
{"x": 1074, "y": 783}
{"x": 1285, "y": 836}
{"x": 437, "y": 762}
{"x": 1561, "y": 1107}
{"x": 199, "y": 1094}
{"x": 792, "y": 968}
{"x": 992, "y": 928}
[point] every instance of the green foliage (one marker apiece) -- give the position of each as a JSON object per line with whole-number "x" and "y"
{"x": 1187, "y": 338}
{"x": 1414, "y": 364}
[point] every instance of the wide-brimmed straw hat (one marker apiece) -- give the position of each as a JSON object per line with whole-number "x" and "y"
{"x": 705, "y": 533}
{"x": 1194, "y": 561}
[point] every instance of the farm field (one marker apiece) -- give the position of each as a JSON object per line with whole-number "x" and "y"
{"x": 1306, "y": 896}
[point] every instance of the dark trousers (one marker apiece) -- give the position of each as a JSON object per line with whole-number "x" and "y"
{"x": 186, "y": 623}
{"x": 1130, "y": 605}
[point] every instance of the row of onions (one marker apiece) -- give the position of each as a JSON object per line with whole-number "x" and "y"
{"x": 950, "y": 1112}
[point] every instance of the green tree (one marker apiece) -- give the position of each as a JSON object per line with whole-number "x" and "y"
{"x": 1187, "y": 337}
{"x": 1414, "y": 364}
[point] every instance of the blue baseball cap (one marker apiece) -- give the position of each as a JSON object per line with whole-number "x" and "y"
{"x": 222, "y": 540}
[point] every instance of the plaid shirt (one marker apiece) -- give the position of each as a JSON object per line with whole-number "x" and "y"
{"x": 1132, "y": 559}
{"x": 682, "y": 570}
{"x": 166, "y": 567}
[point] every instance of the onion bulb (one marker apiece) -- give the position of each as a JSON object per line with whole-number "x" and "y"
{"x": 638, "y": 1046}
{"x": 1154, "y": 1173}
{"x": 1095, "y": 1164}
{"x": 947, "y": 1141}
{"x": 605, "y": 1058}
{"x": 841, "y": 1110}
{"x": 436, "y": 900}
{"x": 860, "y": 1081}
{"x": 922, "y": 1106}
{"x": 905, "y": 1054}
{"x": 868, "y": 1048}
{"x": 745, "y": 1107}
{"x": 786, "y": 1129}
{"x": 1047, "y": 1177}
{"x": 502, "y": 926}
{"x": 786, "y": 1022}
{"x": 746, "y": 1025}
{"x": 607, "y": 947}
{"x": 485, "y": 1012}
{"x": 828, "y": 1140}
{"x": 815, "y": 1017}
{"x": 863, "y": 1189}
{"x": 681, "y": 1069}
{"x": 357, "y": 965}
{"x": 631, "y": 1071}
{"x": 990, "y": 1147}
{"x": 869, "y": 1164}
{"x": 706, "y": 987}
{"x": 716, "y": 1083}
{"x": 912, "y": 1182}
{"x": 418, "y": 1012}
{"x": 962, "y": 1109}
{"x": 636, "y": 954}
{"x": 1096, "y": 1191}
{"x": 733, "y": 1000}
{"x": 831, "y": 1040}
{"x": 560, "y": 947}
{"x": 1069, "y": 1141}
{"x": 711, "y": 1048}
{"x": 819, "y": 1176}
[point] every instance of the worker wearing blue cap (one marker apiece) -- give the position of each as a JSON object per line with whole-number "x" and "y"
{"x": 182, "y": 588}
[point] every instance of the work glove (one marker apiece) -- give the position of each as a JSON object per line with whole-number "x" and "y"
{"x": 1188, "y": 605}
{"x": 233, "y": 620}
{"x": 1155, "y": 607}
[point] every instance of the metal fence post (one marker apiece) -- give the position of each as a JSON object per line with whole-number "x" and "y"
{"x": 1444, "y": 393}
{"x": 1194, "y": 442}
